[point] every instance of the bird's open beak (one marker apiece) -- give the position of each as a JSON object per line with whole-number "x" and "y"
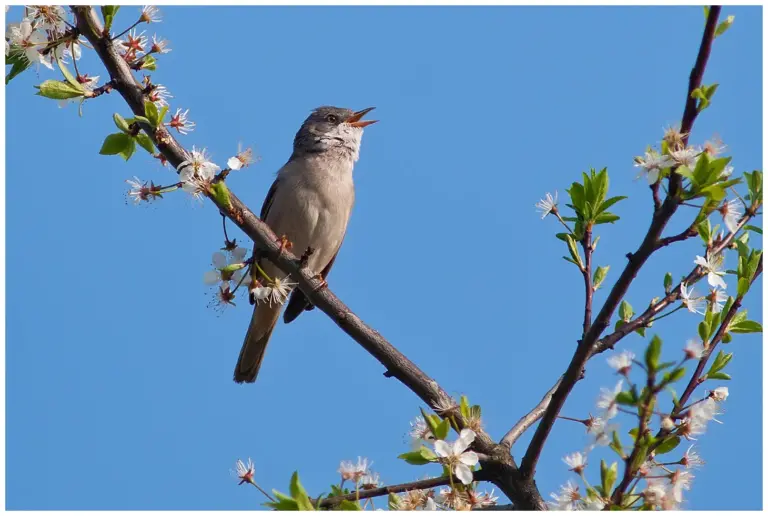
{"x": 355, "y": 121}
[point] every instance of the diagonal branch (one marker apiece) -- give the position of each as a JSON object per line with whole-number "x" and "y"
{"x": 500, "y": 466}
{"x": 659, "y": 221}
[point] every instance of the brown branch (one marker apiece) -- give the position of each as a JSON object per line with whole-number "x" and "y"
{"x": 428, "y": 483}
{"x": 529, "y": 419}
{"x": 659, "y": 221}
{"x": 586, "y": 244}
{"x": 498, "y": 464}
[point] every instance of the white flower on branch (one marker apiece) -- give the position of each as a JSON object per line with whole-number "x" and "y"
{"x": 652, "y": 164}
{"x": 150, "y": 14}
{"x": 717, "y": 299}
{"x": 140, "y": 190}
{"x": 687, "y": 156}
{"x": 713, "y": 266}
{"x": 48, "y": 17}
{"x": 548, "y": 204}
{"x": 607, "y": 400}
{"x": 694, "y": 349}
{"x": 456, "y": 457}
{"x": 622, "y": 362}
{"x": 680, "y": 479}
{"x": 354, "y": 471}
{"x": 601, "y": 431}
{"x": 713, "y": 147}
{"x": 567, "y": 499}
{"x": 245, "y": 471}
{"x": 694, "y": 304}
{"x": 370, "y": 481}
{"x": 134, "y": 42}
{"x": 480, "y": 500}
{"x": 160, "y": 46}
{"x": 27, "y": 40}
{"x": 414, "y": 500}
{"x": 197, "y": 171}
{"x": 719, "y": 394}
{"x": 279, "y": 290}
{"x": 576, "y": 462}
{"x": 654, "y": 493}
{"x": 222, "y": 271}
{"x": 691, "y": 459}
{"x": 159, "y": 95}
{"x": 242, "y": 159}
{"x": 732, "y": 211}
{"x": 420, "y": 432}
{"x": 181, "y": 122}
{"x": 452, "y": 499}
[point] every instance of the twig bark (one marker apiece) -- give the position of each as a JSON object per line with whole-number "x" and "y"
{"x": 659, "y": 221}
{"x": 499, "y": 465}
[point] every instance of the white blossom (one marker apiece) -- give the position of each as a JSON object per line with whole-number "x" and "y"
{"x": 607, "y": 400}
{"x": 691, "y": 459}
{"x": 280, "y": 288}
{"x": 732, "y": 211}
{"x": 456, "y": 457}
{"x": 694, "y": 349}
{"x": 717, "y": 299}
{"x": 219, "y": 274}
{"x": 567, "y": 499}
{"x": 159, "y": 45}
{"x": 420, "y": 432}
{"x": 687, "y": 156}
{"x": 150, "y": 14}
{"x": 621, "y": 362}
{"x": 576, "y": 462}
{"x": 719, "y": 394}
{"x": 28, "y": 40}
{"x": 713, "y": 266}
{"x": 354, "y": 471}
{"x": 181, "y": 122}
{"x": 694, "y": 304}
{"x": 245, "y": 471}
{"x": 652, "y": 164}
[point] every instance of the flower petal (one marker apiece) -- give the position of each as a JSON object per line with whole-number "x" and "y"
{"x": 442, "y": 449}
{"x": 469, "y": 458}
{"x": 465, "y": 439}
{"x": 464, "y": 474}
{"x": 219, "y": 260}
{"x": 211, "y": 277}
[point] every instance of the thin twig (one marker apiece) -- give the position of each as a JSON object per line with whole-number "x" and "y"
{"x": 529, "y": 419}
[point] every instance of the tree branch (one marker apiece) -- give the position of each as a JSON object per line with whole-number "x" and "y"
{"x": 586, "y": 244}
{"x": 500, "y": 466}
{"x": 659, "y": 221}
{"x": 530, "y": 418}
{"x": 428, "y": 483}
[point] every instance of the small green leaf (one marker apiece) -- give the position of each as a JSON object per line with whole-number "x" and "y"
{"x": 283, "y": 503}
{"x": 626, "y": 398}
{"x": 393, "y": 501}
{"x": 575, "y": 256}
{"x": 608, "y": 477}
{"x": 616, "y": 444}
{"x": 121, "y": 123}
{"x": 441, "y": 432}
{"x": 146, "y": 142}
{"x": 127, "y": 152}
{"x": 18, "y": 63}
{"x": 148, "y": 63}
{"x": 673, "y": 376}
{"x": 653, "y": 353}
{"x": 419, "y": 457}
{"x": 668, "y": 282}
{"x": 745, "y": 327}
{"x": 743, "y": 287}
{"x": 703, "y": 331}
{"x": 606, "y": 218}
{"x": 115, "y": 143}
{"x": 109, "y": 12}
{"x": 431, "y": 423}
{"x": 58, "y": 90}
{"x": 641, "y": 331}
{"x": 625, "y": 311}
{"x": 599, "y": 276}
{"x": 669, "y": 444}
{"x": 150, "y": 109}
{"x": 349, "y": 505}
{"x": 68, "y": 75}
{"x": 719, "y": 376}
{"x": 299, "y": 494}
{"x": 724, "y": 25}
{"x": 162, "y": 114}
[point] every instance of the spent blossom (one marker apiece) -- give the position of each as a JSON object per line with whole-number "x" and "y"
{"x": 242, "y": 159}
{"x": 159, "y": 45}
{"x": 354, "y": 471}
{"x": 245, "y": 471}
{"x": 150, "y": 14}
{"x": 181, "y": 122}
{"x": 719, "y": 394}
{"x": 548, "y": 205}
{"x": 159, "y": 95}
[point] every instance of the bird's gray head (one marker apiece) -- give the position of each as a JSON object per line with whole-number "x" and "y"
{"x": 333, "y": 130}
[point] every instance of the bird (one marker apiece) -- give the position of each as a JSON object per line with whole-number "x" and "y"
{"x": 309, "y": 203}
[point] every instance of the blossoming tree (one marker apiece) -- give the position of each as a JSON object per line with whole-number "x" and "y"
{"x": 665, "y": 396}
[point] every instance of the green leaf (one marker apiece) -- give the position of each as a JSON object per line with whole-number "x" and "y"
{"x": 705, "y": 230}
{"x": 625, "y": 311}
{"x": 68, "y": 75}
{"x": 121, "y": 123}
{"x": 109, "y": 12}
{"x": 653, "y": 353}
{"x": 727, "y": 338}
{"x": 349, "y": 505}
{"x": 115, "y": 144}
{"x": 608, "y": 477}
{"x": 129, "y": 150}
{"x": 441, "y": 432}
{"x": 721, "y": 360}
{"x": 668, "y": 282}
{"x": 283, "y": 503}
{"x": 393, "y": 501}
{"x": 673, "y": 376}
{"x": 641, "y": 331}
{"x": 703, "y": 331}
{"x": 743, "y": 287}
{"x": 669, "y": 444}
{"x": 606, "y": 218}
{"x": 58, "y": 90}
{"x": 162, "y": 114}
{"x": 719, "y": 376}
{"x": 724, "y": 25}
{"x": 714, "y": 192}
{"x": 18, "y": 62}
{"x": 146, "y": 142}
{"x": 686, "y": 172}
{"x": 419, "y": 457}
{"x": 148, "y": 63}
{"x": 300, "y": 494}
{"x": 575, "y": 256}
{"x": 150, "y": 109}
{"x": 599, "y": 276}
{"x": 610, "y": 202}
{"x": 626, "y": 398}
{"x": 616, "y": 444}
{"x": 746, "y": 327}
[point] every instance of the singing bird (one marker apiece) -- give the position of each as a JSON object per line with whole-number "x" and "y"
{"x": 310, "y": 203}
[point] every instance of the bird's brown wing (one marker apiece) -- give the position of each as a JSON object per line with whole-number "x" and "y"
{"x": 298, "y": 301}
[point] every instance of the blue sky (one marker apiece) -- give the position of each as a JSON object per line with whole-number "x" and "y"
{"x": 118, "y": 378}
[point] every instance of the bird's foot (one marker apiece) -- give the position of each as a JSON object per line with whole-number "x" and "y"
{"x": 285, "y": 244}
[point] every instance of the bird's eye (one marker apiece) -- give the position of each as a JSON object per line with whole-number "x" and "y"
{"x": 332, "y": 118}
